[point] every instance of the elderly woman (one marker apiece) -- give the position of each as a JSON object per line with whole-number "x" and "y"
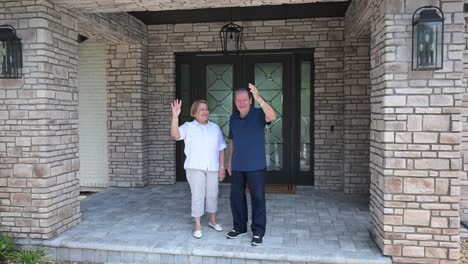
{"x": 204, "y": 163}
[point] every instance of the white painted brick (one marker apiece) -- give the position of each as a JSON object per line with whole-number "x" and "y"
{"x": 93, "y": 114}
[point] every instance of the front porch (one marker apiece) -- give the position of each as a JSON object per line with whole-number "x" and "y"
{"x": 152, "y": 225}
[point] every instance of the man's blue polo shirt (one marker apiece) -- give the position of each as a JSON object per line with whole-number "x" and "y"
{"x": 248, "y": 139}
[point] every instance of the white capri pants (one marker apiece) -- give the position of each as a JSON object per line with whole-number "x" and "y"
{"x": 204, "y": 188}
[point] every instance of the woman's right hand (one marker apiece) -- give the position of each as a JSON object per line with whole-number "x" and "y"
{"x": 176, "y": 106}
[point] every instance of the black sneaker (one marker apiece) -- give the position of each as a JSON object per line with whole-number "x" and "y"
{"x": 234, "y": 234}
{"x": 257, "y": 241}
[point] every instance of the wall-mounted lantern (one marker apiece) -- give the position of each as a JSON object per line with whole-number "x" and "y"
{"x": 231, "y": 38}
{"x": 11, "y": 54}
{"x": 428, "y": 39}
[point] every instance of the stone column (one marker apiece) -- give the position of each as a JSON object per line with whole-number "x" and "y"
{"x": 39, "y": 124}
{"x": 415, "y": 138}
{"x": 127, "y": 115}
{"x": 356, "y": 173}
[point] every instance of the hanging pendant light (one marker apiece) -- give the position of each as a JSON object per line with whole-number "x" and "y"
{"x": 231, "y": 38}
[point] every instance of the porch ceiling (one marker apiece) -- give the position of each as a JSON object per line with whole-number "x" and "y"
{"x": 246, "y": 13}
{"x": 117, "y": 6}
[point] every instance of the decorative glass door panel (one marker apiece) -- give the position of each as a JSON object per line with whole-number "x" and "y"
{"x": 304, "y": 147}
{"x": 303, "y": 122}
{"x": 219, "y": 91}
{"x": 269, "y": 82}
{"x": 272, "y": 75}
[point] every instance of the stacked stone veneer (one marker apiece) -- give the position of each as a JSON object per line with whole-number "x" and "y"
{"x": 464, "y": 174}
{"x": 325, "y": 35}
{"x": 39, "y": 124}
{"x": 39, "y": 162}
{"x": 116, "y": 28}
{"x": 356, "y": 174}
{"x": 127, "y": 115}
{"x": 415, "y": 138}
{"x": 127, "y": 93}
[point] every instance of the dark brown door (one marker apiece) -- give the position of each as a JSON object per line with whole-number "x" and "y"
{"x": 280, "y": 82}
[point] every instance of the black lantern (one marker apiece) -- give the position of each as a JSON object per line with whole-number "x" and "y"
{"x": 231, "y": 38}
{"x": 11, "y": 55}
{"x": 428, "y": 38}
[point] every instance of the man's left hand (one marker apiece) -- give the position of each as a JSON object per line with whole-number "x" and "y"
{"x": 255, "y": 93}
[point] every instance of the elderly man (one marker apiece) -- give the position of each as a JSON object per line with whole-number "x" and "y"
{"x": 247, "y": 163}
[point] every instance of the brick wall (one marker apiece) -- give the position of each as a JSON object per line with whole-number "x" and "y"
{"x": 39, "y": 161}
{"x": 127, "y": 115}
{"x": 357, "y": 18}
{"x": 323, "y": 34}
{"x": 356, "y": 134}
{"x": 111, "y": 28}
{"x": 376, "y": 219}
{"x": 415, "y": 138}
{"x": 125, "y": 38}
{"x": 39, "y": 124}
{"x": 464, "y": 145}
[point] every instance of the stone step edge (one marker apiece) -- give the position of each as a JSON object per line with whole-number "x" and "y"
{"x": 318, "y": 256}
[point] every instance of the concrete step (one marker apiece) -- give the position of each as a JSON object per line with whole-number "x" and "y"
{"x": 170, "y": 253}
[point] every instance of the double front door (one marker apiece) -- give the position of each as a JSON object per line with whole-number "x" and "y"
{"x": 284, "y": 80}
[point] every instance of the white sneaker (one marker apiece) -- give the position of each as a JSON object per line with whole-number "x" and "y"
{"x": 197, "y": 234}
{"x": 216, "y": 227}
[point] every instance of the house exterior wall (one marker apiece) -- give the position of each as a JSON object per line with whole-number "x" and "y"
{"x": 356, "y": 100}
{"x": 324, "y": 34}
{"x": 127, "y": 114}
{"x": 112, "y": 28}
{"x": 39, "y": 163}
{"x": 126, "y": 70}
{"x": 464, "y": 146}
{"x": 39, "y": 124}
{"x": 415, "y": 138}
{"x": 415, "y": 130}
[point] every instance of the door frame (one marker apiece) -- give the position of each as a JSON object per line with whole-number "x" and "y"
{"x": 291, "y": 97}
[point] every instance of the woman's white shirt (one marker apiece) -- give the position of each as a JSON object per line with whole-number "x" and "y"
{"x": 202, "y": 145}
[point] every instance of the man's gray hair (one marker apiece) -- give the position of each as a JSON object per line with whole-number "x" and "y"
{"x": 241, "y": 90}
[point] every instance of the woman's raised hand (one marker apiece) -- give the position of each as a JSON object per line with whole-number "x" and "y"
{"x": 176, "y": 105}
